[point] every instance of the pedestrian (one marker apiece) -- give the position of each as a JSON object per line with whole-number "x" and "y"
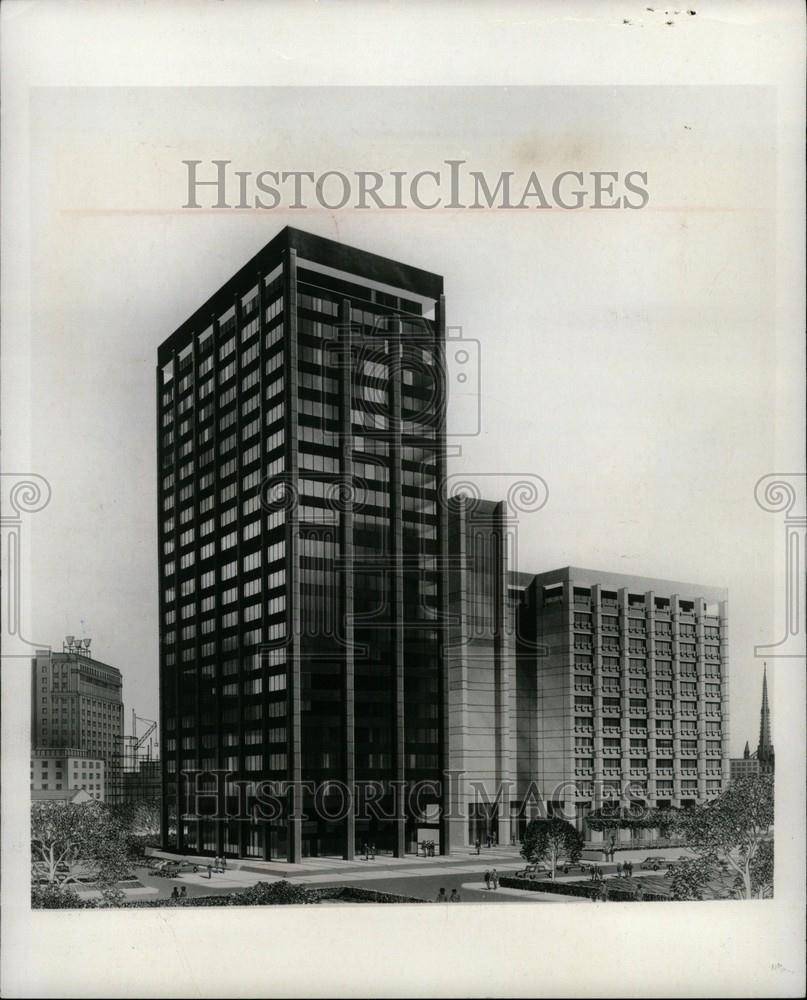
{"x": 604, "y": 892}
{"x": 183, "y": 892}
{"x": 478, "y": 846}
{"x": 441, "y": 896}
{"x": 618, "y": 869}
{"x": 216, "y": 864}
{"x": 372, "y": 852}
{"x": 174, "y": 894}
{"x": 487, "y": 879}
{"x": 223, "y": 863}
{"x": 210, "y": 871}
{"x": 455, "y": 897}
{"x": 629, "y": 867}
{"x": 494, "y": 876}
{"x": 639, "y": 892}
{"x": 365, "y": 847}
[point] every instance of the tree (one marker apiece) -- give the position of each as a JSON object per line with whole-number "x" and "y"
{"x": 689, "y": 878}
{"x": 551, "y": 839}
{"x": 64, "y": 835}
{"x": 731, "y": 833}
{"x": 762, "y": 871}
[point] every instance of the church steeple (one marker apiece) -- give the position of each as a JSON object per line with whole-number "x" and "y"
{"x": 765, "y": 748}
{"x": 747, "y": 751}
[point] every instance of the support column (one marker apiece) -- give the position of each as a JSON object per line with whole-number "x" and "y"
{"x": 448, "y": 830}
{"x": 345, "y": 562}
{"x": 293, "y": 619}
{"x": 397, "y": 624}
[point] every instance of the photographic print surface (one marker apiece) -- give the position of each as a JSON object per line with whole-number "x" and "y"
{"x": 403, "y": 522}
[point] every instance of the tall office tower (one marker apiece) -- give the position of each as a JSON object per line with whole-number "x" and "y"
{"x": 481, "y": 671}
{"x": 629, "y": 699}
{"x": 765, "y": 754}
{"x": 76, "y": 705}
{"x": 301, "y": 442}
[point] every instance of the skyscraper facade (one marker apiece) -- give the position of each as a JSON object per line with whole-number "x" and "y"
{"x": 301, "y": 442}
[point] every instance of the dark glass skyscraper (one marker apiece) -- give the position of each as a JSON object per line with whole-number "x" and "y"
{"x": 301, "y": 446}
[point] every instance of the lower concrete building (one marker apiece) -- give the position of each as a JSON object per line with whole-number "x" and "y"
{"x": 63, "y": 771}
{"x": 623, "y": 689}
{"x": 576, "y": 690}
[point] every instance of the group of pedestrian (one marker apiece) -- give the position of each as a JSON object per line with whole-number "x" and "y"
{"x": 427, "y": 846}
{"x": 600, "y": 895}
{"x": 625, "y": 869}
{"x": 179, "y": 892}
{"x": 218, "y": 865}
{"x": 369, "y": 851}
{"x": 492, "y": 879}
{"x": 453, "y": 898}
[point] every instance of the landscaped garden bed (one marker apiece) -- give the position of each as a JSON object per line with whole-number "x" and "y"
{"x": 616, "y": 892}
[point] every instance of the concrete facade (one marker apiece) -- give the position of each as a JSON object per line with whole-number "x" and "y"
{"x": 629, "y": 695}
{"x": 66, "y": 771}
{"x": 76, "y": 701}
{"x": 481, "y": 665}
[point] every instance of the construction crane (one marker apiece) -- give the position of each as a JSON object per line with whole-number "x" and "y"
{"x": 137, "y": 742}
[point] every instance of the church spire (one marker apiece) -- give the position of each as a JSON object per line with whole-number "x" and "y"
{"x": 765, "y": 748}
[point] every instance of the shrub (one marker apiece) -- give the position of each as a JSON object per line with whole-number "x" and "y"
{"x": 272, "y": 894}
{"x": 57, "y": 897}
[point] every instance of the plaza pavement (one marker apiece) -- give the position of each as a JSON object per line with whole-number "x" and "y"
{"x": 410, "y": 876}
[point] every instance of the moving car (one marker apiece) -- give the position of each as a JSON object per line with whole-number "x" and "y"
{"x": 574, "y": 866}
{"x": 654, "y": 863}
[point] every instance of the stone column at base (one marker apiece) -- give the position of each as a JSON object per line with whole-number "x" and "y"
{"x": 295, "y": 835}
{"x": 349, "y": 835}
{"x": 399, "y": 837}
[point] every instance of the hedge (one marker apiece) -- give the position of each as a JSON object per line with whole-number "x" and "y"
{"x": 582, "y": 889}
{"x": 357, "y": 894}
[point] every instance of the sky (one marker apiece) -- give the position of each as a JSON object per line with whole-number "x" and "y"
{"x": 625, "y": 357}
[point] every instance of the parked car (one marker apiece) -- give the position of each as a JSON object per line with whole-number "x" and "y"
{"x": 653, "y": 864}
{"x": 173, "y": 868}
{"x": 536, "y": 871}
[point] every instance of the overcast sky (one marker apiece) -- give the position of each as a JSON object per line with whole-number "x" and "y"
{"x": 625, "y": 356}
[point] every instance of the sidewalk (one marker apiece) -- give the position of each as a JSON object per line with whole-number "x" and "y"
{"x": 488, "y": 857}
